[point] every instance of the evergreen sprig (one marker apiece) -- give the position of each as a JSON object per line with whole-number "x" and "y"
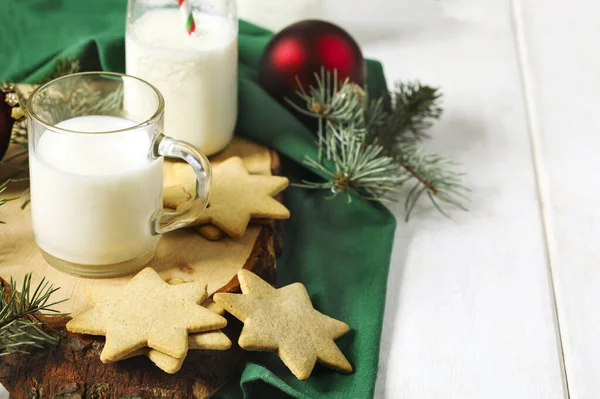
{"x": 369, "y": 147}
{"x": 332, "y": 105}
{"x": 4, "y": 200}
{"x": 21, "y": 325}
{"x": 61, "y": 67}
{"x": 411, "y": 109}
{"x": 430, "y": 175}
{"x": 359, "y": 168}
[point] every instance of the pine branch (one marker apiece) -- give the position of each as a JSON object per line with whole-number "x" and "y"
{"x": 4, "y": 200}
{"x": 79, "y": 99}
{"x": 372, "y": 144}
{"x": 19, "y": 134}
{"x": 431, "y": 175}
{"x": 412, "y": 108}
{"x": 359, "y": 168}
{"x": 331, "y": 104}
{"x": 330, "y": 101}
{"x": 21, "y": 325}
{"x": 12, "y": 177}
{"x": 62, "y": 67}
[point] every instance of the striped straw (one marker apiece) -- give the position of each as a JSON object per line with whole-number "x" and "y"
{"x": 184, "y": 7}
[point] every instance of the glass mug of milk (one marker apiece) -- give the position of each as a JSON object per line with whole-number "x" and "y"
{"x": 96, "y": 149}
{"x": 196, "y": 73}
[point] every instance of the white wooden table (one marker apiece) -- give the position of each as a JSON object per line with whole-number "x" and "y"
{"x": 502, "y": 302}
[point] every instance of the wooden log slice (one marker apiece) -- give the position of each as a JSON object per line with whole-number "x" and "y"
{"x": 72, "y": 369}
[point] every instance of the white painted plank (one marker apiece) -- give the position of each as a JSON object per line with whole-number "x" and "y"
{"x": 561, "y": 42}
{"x": 470, "y": 311}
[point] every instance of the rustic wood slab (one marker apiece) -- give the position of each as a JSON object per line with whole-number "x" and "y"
{"x": 72, "y": 369}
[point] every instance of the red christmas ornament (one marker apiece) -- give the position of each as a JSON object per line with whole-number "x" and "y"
{"x": 6, "y": 124}
{"x": 301, "y": 50}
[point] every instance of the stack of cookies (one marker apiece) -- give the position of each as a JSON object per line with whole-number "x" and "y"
{"x": 150, "y": 317}
{"x": 162, "y": 321}
{"x": 243, "y": 191}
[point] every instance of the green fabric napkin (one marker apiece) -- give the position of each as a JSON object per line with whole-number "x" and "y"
{"x": 339, "y": 250}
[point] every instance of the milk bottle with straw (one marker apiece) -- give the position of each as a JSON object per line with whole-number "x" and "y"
{"x": 190, "y": 55}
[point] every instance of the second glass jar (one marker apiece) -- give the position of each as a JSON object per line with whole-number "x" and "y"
{"x": 196, "y": 74}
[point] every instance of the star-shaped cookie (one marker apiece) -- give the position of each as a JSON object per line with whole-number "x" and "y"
{"x": 211, "y": 340}
{"x": 284, "y": 320}
{"x": 237, "y": 196}
{"x": 147, "y": 311}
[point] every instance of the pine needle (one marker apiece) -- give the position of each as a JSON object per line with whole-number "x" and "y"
{"x": 359, "y": 168}
{"x": 62, "y": 67}
{"x": 412, "y": 108}
{"x": 21, "y": 327}
{"x": 4, "y": 200}
{"x": 372, "y": 145}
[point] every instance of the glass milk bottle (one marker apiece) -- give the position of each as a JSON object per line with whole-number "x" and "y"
{"x": 194, "y": 65}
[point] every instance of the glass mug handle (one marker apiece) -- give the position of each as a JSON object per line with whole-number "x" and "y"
{"x": 163, "y": 221}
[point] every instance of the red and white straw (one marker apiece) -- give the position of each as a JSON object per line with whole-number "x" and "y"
{"x": 186, "y": 12}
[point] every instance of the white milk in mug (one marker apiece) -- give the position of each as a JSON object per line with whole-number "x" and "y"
{"x": 107, "y": 181}
{"x": 197, "y": 74}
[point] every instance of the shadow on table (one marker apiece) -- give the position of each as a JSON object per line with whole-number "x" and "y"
{"x": 402, "y": 240}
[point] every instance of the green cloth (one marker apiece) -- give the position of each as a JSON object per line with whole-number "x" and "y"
{"x": 339, "y": 250}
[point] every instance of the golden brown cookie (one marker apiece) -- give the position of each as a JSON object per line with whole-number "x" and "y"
{"x": 173, "y": 196}
{"x": 208, "y": 303}
{"x": 147, "y": 311}
{"x": 211, "y": 340}
{"x": 256, "y": 157}
{"x": 178, "y": 173}
{"x": 213, "y": 233}
{"x": 284, "y": 320}
{"x": 211, "y": 305}
{"x": 210, "y": 232}
{"x": 237, "y": 197}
